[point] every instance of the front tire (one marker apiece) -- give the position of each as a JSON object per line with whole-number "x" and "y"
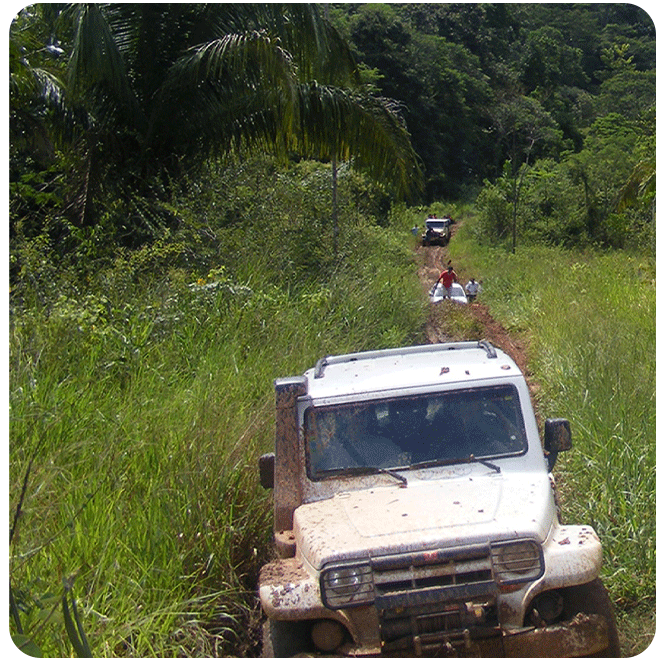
{"x": 284, "y": 639}
{"x": 592, "y": 598}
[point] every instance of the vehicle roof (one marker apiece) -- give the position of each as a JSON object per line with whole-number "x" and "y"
{"x": 437, "y": 221}
{"x": 417, "y": 367}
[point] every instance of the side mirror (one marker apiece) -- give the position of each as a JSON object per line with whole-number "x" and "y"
{"x": 267, "y": 470}
{"x": 557, "y": 439}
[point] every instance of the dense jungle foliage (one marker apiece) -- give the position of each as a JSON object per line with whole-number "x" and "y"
{"x": 204, "y": 197}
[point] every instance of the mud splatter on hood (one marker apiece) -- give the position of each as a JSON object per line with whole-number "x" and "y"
{"x": 444, "y": 513}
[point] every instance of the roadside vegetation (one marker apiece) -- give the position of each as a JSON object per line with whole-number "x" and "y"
{"x": 142, "y": 397}
{"x": 141, "y": 404}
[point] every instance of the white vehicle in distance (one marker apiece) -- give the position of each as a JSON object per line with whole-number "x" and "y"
{"x": 457, "y": 294}
{"x": 437, "y": 231}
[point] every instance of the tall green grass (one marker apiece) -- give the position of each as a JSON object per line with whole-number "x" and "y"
{"x": 139, "y": 407}
{"x": 590, "y": 321}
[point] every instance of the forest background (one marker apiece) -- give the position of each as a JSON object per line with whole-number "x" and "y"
{"x": 201, "y": 200}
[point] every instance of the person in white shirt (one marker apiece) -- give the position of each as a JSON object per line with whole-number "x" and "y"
{"x": 472, "y": 289}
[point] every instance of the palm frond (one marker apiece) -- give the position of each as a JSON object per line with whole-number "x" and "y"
{"x": 345, "y": 125}
{"x": 218, "y": 94}
{"x": 251, "y": 59}
{"x": 640, "y": 185}
{"x": 157, "y": 88}
{"x": 97, "y": 69}
{"x": 318, "y": 50}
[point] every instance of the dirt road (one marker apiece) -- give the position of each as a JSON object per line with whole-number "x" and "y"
{"x": 434, "y": 260}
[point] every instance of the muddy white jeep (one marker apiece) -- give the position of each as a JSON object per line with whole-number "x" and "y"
{"x": 415, "y": 515}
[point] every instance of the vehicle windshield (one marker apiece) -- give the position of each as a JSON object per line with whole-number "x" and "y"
{"x": 415, "y": 431}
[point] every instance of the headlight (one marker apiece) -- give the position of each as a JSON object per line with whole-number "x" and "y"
{"x": 517, "y": 561}
{"x": 346, "y": 586}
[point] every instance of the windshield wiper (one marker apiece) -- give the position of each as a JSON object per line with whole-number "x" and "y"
{"x": 489, "y": 465}
{"x": 458, "y": 460}
{"x": 398, "y": 476}
{"x": 359, "y": 470}
{"x": 377, "y": 469}
{"x": 438, "y": 462}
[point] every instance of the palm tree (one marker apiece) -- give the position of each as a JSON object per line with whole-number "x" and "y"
{"x": 166, "y": 86}
{"x": 640, "y": 186}
{"x": 34, "y": 88}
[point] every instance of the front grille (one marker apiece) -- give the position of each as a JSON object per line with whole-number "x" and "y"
{"x": 426, "y": 599}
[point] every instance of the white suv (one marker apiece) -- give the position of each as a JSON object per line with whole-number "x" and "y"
{"x": 415, "y": 514}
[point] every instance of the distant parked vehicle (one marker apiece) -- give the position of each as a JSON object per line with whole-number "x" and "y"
{"x": 437, "y": 231}
{"x": 457, "y": 294}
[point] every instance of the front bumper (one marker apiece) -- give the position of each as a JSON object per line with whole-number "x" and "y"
{"x": 584, "y": 635}
{"x": 297, "y": 600}
{"x": 438, "y": 239}
{"x": 469, "y": 615}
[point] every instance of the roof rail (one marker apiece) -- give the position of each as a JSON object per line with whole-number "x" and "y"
{"x": 319, "y": 367}
{"x": 321, "y": 364}
{"x": 489, "y": 347}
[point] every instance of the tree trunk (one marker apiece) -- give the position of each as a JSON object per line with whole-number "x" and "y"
{"x": 335, "y": 216}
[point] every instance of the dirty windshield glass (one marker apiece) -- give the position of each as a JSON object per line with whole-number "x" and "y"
{"x": 420, "y": 430}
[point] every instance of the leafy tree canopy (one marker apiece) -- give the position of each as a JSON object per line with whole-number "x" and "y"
{"x": 572, "y": 58}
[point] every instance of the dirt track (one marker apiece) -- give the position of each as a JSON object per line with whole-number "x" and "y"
{"x": 434, "y": 261}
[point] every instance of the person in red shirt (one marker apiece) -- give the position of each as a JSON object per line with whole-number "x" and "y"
{"x": 447, "y": 277}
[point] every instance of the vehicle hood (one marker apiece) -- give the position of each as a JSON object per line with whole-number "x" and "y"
{"x": 428, "y": 514}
